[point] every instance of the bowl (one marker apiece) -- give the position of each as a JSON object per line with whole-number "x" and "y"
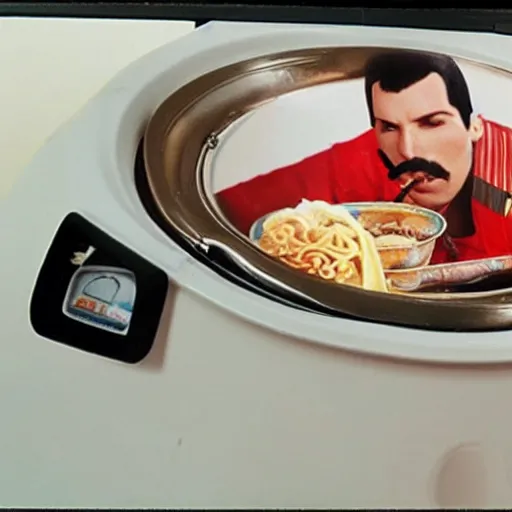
{"x": 380, "y": 217}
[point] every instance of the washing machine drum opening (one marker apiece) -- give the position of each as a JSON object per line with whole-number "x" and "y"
{"x": 286, "y": 234}
{"x": 215, "y": 259}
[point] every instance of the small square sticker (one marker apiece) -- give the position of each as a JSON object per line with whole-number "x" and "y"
{"x": 95, "y": 294}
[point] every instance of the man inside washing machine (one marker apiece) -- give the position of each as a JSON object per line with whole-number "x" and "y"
{"x": 425, "y": 137}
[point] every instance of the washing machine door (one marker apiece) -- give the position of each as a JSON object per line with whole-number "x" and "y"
{"x": 317, "y": 255}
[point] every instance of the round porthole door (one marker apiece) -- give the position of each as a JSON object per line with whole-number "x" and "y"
{"x": 362, "y": 182}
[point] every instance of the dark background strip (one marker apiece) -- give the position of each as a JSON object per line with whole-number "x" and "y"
{"x": 399, "y": 14}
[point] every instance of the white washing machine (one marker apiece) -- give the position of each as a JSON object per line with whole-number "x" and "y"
{"x": 220, "y": 385}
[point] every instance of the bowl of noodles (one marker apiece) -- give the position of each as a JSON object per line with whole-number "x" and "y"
{"x": 353, "y": 243}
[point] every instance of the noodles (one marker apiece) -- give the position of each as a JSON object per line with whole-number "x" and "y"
{"x": 326, "y": 242}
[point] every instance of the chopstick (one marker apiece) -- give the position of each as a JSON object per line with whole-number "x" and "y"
{"x": 406, "y": 189}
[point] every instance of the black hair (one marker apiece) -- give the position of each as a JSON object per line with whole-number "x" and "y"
{"x": 398, "y": 69}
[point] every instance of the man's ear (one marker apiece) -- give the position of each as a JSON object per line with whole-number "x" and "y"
{"x": 476, "y": 128}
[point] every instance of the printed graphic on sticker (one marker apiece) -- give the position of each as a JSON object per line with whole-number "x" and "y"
{"x": 100, "y": 296}
{"x": 95, "y": 294}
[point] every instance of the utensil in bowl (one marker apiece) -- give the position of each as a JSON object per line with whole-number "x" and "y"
{"x": 475, "y": 276}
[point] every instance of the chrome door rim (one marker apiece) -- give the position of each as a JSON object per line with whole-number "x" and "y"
{"x": 186, "y": 126}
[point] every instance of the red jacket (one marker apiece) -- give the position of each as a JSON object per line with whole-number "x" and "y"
{"x": 352, "y": 171}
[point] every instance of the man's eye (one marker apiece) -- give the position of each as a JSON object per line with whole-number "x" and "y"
{"x": 388, "y": 127}
{"x": 432, "y": 123}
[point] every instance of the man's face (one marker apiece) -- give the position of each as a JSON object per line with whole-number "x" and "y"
{"x": 419, "y": 122}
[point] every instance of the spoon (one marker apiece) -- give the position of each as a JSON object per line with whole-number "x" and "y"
{"x": 406, "y": 189}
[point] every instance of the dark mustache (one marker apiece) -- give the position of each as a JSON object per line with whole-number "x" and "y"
{"x": 414, "y": 165}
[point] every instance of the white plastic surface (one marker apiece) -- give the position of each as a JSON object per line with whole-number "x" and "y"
{"x": 226, "y": 413}
{"x": 52, "y": 67}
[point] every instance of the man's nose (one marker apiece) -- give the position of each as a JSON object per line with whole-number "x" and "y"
{"x": 406, "y": 145}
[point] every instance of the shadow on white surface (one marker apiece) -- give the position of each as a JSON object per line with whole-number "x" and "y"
{"x": 154, "y": 361}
